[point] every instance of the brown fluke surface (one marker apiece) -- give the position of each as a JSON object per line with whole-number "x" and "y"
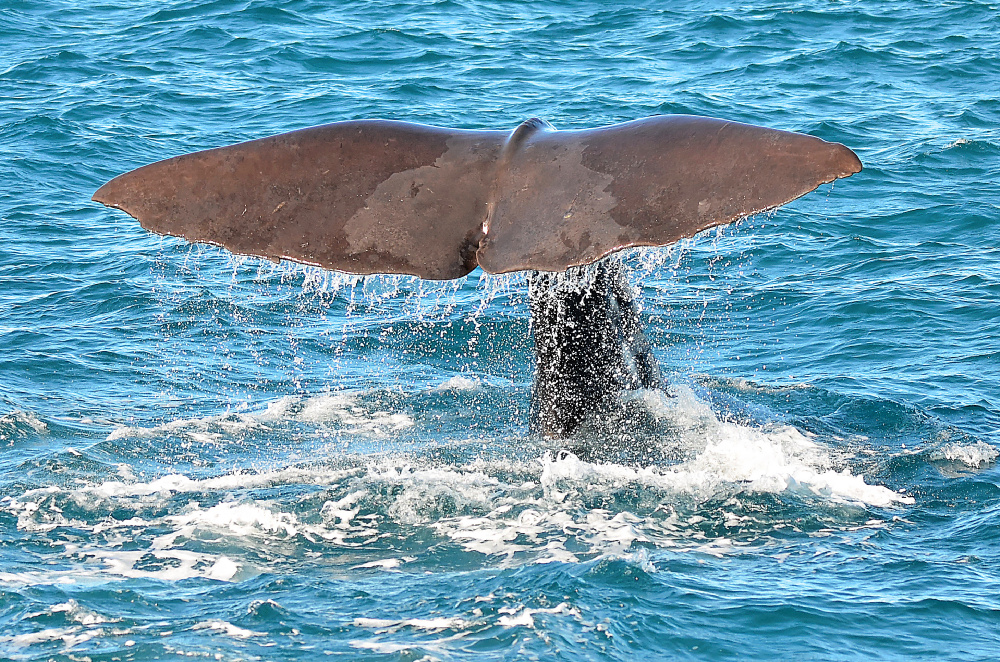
{"x": 375, "y": 196}
{"x": 362, "y": 197}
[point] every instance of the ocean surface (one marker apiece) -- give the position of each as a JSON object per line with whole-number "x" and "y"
{"x": 206, "y": 456}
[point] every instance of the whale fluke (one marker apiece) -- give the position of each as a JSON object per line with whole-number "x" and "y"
{"x": 379, "y": 196}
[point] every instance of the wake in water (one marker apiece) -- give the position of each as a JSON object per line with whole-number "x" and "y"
{"x": 386, "y": 505}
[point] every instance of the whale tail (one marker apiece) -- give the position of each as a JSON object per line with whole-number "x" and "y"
{"x": 378, "y": 196}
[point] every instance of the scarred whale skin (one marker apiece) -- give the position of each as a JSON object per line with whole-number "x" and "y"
{"x": 380, "y": 196}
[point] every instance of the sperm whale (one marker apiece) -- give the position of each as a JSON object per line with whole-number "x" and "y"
{"x": 382, "y": 196}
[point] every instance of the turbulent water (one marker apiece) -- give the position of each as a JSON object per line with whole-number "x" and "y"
{"x": 207, "y": 456}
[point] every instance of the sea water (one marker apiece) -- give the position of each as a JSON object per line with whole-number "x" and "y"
{"x": 216, "y": 457}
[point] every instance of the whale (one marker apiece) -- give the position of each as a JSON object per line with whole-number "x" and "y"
{"x": 384, "y": 196}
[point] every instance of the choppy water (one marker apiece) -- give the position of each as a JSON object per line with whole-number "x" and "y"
{"x": 229, "y": 459}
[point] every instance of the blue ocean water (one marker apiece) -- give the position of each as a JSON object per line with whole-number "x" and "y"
{"x": 219, "y": 457}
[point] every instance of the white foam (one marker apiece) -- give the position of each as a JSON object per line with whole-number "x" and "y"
{"x": 80, "y": 614}
{"x": 91, "y": 495}
{"x": 239, "y": 519}
{"x": 42, "y": 578}
{"x": 769, "y": 459}
{"x": 227, "y": 629}
{"x": 430, "y": 624}
{"x": 198, "y": 429}
{"x": 340, "y": 511}
{"x": 384, "y": 564}
{"x": 385, "y": 647}
{"x": 69, "y": 636}
{"x": 525, "y": 617}
{"x": 16, "y": 419}
{"x": 441, "y": 646}
{"x": 558, "y": 507}
{"x": 458, "y": 383}
{"x": 722, "y": 457}
{"x": 423, "y": 487}
{"x": 182, "y": 564}
{"x": 972, "y": 455}
{"x": 223, "y": 569}
{"x": 343, "y": 410}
